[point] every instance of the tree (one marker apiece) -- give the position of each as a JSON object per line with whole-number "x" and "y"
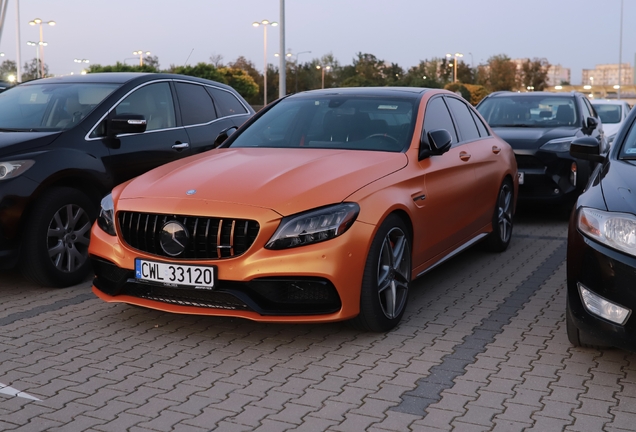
{"x": 501, "y": 73}
{"x": 152, "y": 61}
{"x": 534, "y": 73}
{"x": 31, "y": 70}
{"x": 465, "y": 74}
{"x": 240, "y": 81}
{"x": 8, "y": 67}
{"x": 217, "y": 60}
{"x": 366, "y": 71}
{"x": 121, "y": 67}
{"x": 201, "y": 70}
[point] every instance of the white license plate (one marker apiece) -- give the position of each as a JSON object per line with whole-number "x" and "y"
{"x": 171, "y": 274}
{"x": 521, "y": 177}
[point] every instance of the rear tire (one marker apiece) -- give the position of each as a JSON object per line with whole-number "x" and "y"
{"x": 386, "y": 279}
{"x": 55, "y": 238}
{"x": 499, "y": 239}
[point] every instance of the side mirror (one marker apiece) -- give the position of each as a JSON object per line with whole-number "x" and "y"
{"x": 590, "y": 125}
{"x": 439, "y": 142}
{"x": 587, "y": 148}
{"x": 125, "y": 124}
{"x": 225, "y": 134}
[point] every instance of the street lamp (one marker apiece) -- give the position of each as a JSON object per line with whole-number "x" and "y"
{"x": 323, "y": 73}
{"x": 39, "y": 22}
{"x": 290, "y": 54}
{"x": 264, "y": 23}
{"x": 141, "y": 56}
{"x": 455, "y": 64}
{"x": 38, "y": 45}
{"x": 83, "y": 71}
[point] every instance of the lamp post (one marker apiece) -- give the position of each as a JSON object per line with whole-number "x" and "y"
{"x": 83, "y": 71}
{"x": 39, "y": 22}
{"x": 323, "y": 73}
{"x": 620, "y": 54}
{"x": 141, "y": 56}
{"x": 290, "y": 54}
{"x": 264, "y": 23}
{"x": 38, "y": 45}
{"x": 455, "y": 64}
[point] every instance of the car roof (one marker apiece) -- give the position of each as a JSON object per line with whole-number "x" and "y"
{"x": 537, "y": 93}
{"x": 609, "y": 102}
{"x": 407, "y": 92}
{"x": 121, "y": 78}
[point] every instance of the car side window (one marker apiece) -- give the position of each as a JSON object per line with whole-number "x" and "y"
{"x": 154, "y": 102}
{"x": 464, "y": 120}
{"x": 195, "y": 103}
{"x": 226, "y": 103}
{"x": 438, "y": 117}
{"x": 590, "y": 108}
{"x": 587, "y": 111}
{"x": 483, "y": 131}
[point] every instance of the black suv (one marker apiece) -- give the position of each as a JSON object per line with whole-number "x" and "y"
{"x": 540, "y": 127}
{"x": 66, "y": 142}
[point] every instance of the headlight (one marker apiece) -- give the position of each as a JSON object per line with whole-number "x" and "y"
{"x": 14, "y": 168}
{"x": 616, "y": 230}
{"x": 314, "y": 226}
{"x": 106, "y": 219}
{"x": 558, "y": 145}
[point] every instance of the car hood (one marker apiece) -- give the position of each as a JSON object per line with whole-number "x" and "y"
{"x": 21, "y": 142}
{"x": 611, "y": 128}
{"x": 287, "y": 181}
{"x": 618, "y": 183}
{"x": 529, "y": 138}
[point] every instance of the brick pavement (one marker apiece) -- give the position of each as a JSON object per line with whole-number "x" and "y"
{"x": 482, "y": 347}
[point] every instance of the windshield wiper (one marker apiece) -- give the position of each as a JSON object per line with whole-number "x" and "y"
{"x": 513, "y": 125}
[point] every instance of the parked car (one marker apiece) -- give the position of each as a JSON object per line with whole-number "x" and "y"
{"x": 322, "y": 207}
{"x": 66, "y": 142}
{"x": 613, "y": 113}
{"x": 540, "y": 127}
{"x": 601, "y": 258}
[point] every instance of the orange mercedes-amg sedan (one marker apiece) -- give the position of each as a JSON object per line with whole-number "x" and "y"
{"x": 325, "y": 206}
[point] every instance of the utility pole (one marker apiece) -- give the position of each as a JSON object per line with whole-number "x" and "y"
{"x": 282, "y": 79}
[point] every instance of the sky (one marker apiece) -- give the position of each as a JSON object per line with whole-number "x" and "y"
{"x": 577, "y": 34}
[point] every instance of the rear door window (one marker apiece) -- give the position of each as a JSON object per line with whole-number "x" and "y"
{"x": 464, "y": 120}
{"x": 195, "y": 103}
{"x": 226, "y": 103}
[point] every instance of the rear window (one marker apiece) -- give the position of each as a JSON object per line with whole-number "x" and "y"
{"x": 529, "y": 111}
{"x": 609, "y": 113}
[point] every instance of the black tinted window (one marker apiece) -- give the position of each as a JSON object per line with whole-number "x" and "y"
{"x": 226, "y": 103}
{"x": 480, "y": 125}
{"x": 438, "y": 117}
{"x": 465, "y": 122}
{"x": 196, "y": 104}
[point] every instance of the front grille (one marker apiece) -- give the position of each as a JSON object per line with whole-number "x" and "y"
{"x": 529, "y": 162}
{"x": 210, "y": 238}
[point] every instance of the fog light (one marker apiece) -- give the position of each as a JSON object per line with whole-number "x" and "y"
{"x": 599, "y": 306}
{"x": 573, "y": 174}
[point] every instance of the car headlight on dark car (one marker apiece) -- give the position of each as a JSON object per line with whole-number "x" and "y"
{"x": 106, "y": 219}
{"x": 616, "y": 230}
{"x": 14, "y": 168}
{"x": 558, "y": 145}
{"x": 314, "y": 226}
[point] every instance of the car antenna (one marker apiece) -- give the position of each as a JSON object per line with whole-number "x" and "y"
{"x": 186, "y": 62}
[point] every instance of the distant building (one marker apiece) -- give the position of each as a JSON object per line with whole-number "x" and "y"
{"x": 558, "y": 75}
{"x": 607, "y": 75}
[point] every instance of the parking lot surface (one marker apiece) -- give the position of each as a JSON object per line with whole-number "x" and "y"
{"x": 482, "y": 347}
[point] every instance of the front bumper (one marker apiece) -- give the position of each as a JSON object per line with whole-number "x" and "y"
{"x": 609, "y": 274}
{"x": 15, "y": 195}
{"x": 314, "y": 283}
{"x": 547, "y": 176}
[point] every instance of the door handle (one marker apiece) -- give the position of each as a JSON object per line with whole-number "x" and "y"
{"x": 496, "y": 150}
{"x": 464, "y": 156}
{"x": 180, "y": 146}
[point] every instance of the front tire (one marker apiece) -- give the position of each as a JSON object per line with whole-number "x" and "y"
{"x": 499, "y": 239}
{"x": 56, "y": 237}
{"x": 386, "y": 279}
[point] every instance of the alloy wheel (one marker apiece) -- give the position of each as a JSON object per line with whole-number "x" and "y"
{"x": 394, "y": 273}
{"x": 504, "y": 213}
{"x": 68, "y": 236}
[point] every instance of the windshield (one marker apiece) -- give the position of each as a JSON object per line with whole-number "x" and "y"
{"x": 529, "y": 111}
{"x": 49, "y": 106}
{"x": 342, "y": 122}
{"x": 609, "y": 113}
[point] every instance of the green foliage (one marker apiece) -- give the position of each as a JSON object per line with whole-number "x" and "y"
{"x": 534, "y": 73}
{"x": 240, "y": 81}
{"x": 460, "y": 89}
{"x": 201, "y": 70}
{"x": 501, "y": 73}
{"x": 30, "y": 70}
{"x": 8, "y": 67}
{"x": 477, "y": 93}
{"x": 122, "y": 67}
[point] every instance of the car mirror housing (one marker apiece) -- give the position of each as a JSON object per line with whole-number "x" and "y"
{"x": 590, "y": 125}
{"x": 126, "y": 124}
{"x": 587, "y": 148}
{"x": 438, "y": 142}
{"x": 225, "y": 134}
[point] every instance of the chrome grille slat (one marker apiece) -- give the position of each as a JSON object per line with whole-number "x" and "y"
{"x": 210, "y": 238}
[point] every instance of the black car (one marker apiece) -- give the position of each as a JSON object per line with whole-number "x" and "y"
{"x": 540, "y": 127}
{"x": 601, "y": 260}
{"x": 65, "y": 142}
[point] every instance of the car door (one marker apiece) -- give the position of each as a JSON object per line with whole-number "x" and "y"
{"x": 444, "y": 209}
{"x": 163, "y": 141}
{"x": 481, "y": 152}
{"x": 200, "y": 115}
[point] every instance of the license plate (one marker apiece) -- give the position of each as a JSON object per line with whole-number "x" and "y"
{"x": 177, "y": 275}
{"x": 521, "y": 177}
